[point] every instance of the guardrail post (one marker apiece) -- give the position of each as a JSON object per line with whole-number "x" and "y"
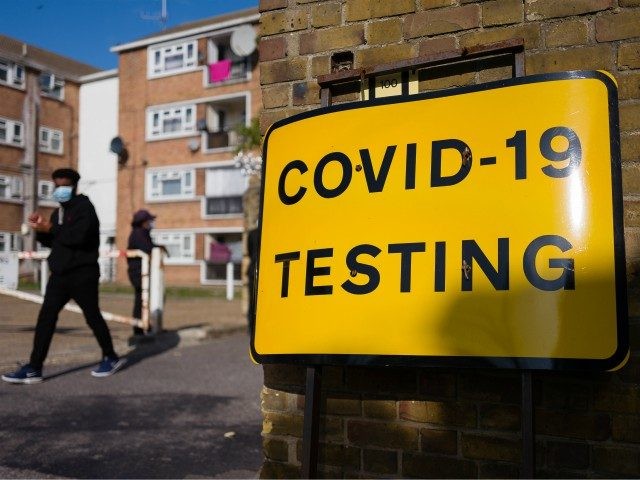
{"x": 44, "y": 275}
{"x": 156, "y": 290}
{"x": 229, "y": 280}
{"x": 145, "y": 291}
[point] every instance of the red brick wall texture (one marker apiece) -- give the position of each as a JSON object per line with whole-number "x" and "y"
{"x": 403, "y": 422}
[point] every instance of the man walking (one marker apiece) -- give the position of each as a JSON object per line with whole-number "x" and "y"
{"x": 72, "y": 233}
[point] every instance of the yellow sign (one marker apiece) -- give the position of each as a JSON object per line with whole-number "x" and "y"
{"x": 479, "y": 227}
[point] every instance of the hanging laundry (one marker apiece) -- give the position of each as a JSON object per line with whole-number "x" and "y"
{"x": 219, "y": 71}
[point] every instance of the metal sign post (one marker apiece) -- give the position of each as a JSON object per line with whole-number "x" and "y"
{"x": 311, "y": 427}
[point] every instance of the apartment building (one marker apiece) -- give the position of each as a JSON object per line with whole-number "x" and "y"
{"x": 38, "y": 132}
{"x": 183, "y": 93}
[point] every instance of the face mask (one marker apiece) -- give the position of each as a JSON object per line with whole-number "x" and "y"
{"x": 62, "y": 194}
{"x": 152, "y": 224}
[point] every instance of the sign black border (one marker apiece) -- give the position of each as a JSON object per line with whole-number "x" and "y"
{"x": 526, "y": 363}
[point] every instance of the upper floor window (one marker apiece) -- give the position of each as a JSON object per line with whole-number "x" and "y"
{"x": 224, "y": 189}
{"x": 11, "y": 74}
{"x": 171, "y": 59}
{"x": 10, "y": 242}
{"x": 170, "y": 184}
{"x": 45, "y": 189}
{"x": 179, "y": 244}
{"x": 11, "y": 132}
{"x": 10, "y": 187}
{"x": 50, "y": 140}
{"x": 51, "y": 86}
{"x": 171, "y": 122}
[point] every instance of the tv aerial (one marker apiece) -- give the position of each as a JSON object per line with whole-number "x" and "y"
{"x": 162, "y": 16}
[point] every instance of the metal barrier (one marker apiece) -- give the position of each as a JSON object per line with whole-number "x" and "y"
{"x": 152, "y": 287}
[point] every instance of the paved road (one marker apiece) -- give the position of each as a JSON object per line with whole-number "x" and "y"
{"x": 74, "y": 342}
{"x": 165, "y": 415}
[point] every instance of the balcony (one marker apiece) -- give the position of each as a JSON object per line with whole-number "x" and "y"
{"x": 221, "y": 119}
{"x": 220, "y": 139}
{"x": 227, "y": 70}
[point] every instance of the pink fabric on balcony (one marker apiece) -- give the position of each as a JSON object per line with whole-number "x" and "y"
{"x": 219, "y": 71}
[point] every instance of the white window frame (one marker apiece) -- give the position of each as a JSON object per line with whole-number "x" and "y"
{"x": 13, "y": 139}
{"x": 14, "y": 188}
{"x": 157, "y": 56}
{"x": 44, "y": 185}
{"x": 11, "y": 242}
{"x": 208, "y": 194}
{"x": 153, "y": 190}
{"x": 46, "y": 145}
{"x": 15, "y": 74}
{"x": 156, "y": 116}
{"x": 188, "y": 256}
{"x": 53, "y": 82}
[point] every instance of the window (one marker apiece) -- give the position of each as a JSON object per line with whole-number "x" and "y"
{"x": 11, "y": 74}
{"x": 179, "y": 244}
{"x": 51, "y": 86}
{"x": 10, "y": 242}
{"x": 224, "y": 189}
{"x": 171, "y": 122}
{"x": 50, "y": 140}
{"x": 171, "y": 59}
{"x": 170, "y": 184}
{"x": 10, "y": 187}
{"x": 45, "y": 189}
{"x": 11, "y": 132}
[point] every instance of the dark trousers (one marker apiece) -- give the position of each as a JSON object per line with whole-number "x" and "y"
{"x": 80, "y": 285}
{"x": 136, "y": 280}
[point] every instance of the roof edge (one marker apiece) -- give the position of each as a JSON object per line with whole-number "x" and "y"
{"x": 185, "y": 33}
{"x": 28, "y": 62}
{"x": 102, "y": 75}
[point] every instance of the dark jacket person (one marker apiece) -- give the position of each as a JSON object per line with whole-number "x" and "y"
{"x": 72, "y": 233}
{"x": 139, "y": 239}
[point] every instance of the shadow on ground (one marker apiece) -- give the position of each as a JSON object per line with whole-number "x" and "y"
{"x": 132, "y": 436}
{"x": 142, "y": 350}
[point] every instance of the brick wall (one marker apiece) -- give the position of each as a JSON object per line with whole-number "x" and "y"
{"x": 454, "y": 423}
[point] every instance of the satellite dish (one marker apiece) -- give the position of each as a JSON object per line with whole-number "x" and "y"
{"x": 194, "y": 145}
{"x": 116, "y": 146}
{"x": 243, "y": 41}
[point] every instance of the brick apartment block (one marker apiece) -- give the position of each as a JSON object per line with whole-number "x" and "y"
{"x": 183, "y": 92}
{"x": 53, "y": 82}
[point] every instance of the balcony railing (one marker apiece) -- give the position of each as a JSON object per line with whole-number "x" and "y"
{"x": 221, "y": 139}
{"x": 239, "y": 70}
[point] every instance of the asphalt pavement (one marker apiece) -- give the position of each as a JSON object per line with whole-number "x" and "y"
{"x": 175, "y": 411}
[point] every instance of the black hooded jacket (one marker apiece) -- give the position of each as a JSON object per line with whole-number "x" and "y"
{"x": 139, "y": 239}
{"x": 74, "y": 242}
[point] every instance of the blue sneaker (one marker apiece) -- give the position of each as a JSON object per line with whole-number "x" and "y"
{"x": 108, "y": 366}
{"x": 25, "y": 374}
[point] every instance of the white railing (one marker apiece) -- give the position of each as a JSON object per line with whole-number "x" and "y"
{"x": 152, "y": 286}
